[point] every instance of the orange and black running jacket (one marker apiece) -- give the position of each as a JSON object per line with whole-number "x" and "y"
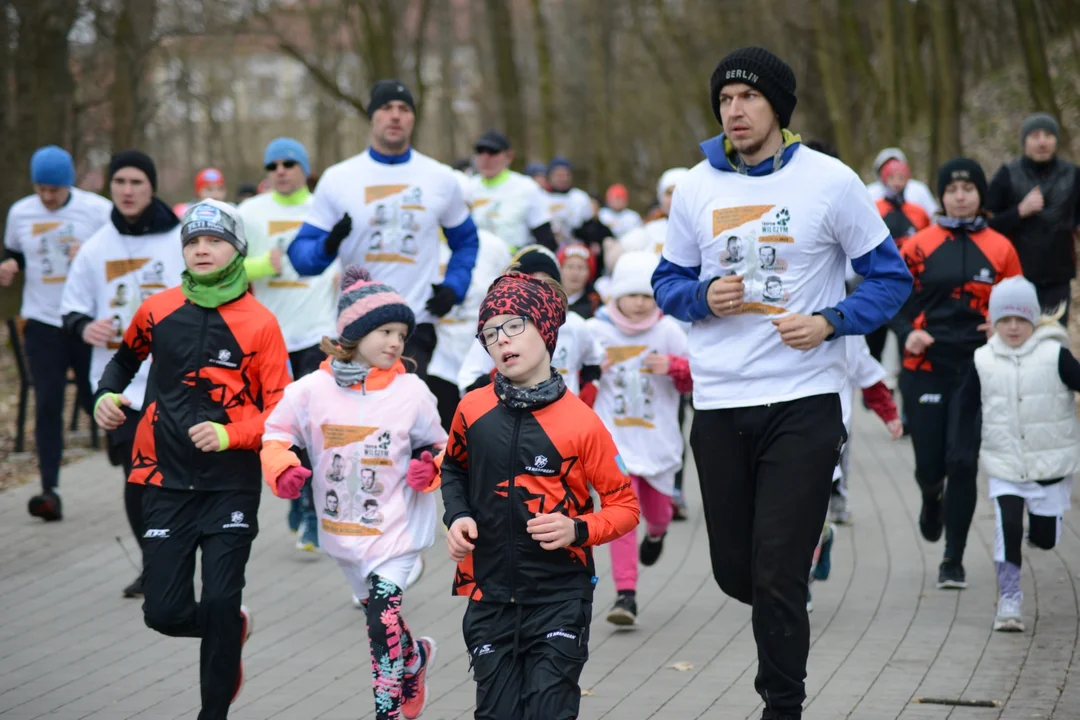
{"x": 503, "y": 466}
{"x": 226, "y": 365}
{"x": 953, "y": 273}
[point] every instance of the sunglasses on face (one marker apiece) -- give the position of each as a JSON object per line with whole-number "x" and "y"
{"x": 287, "y": 164}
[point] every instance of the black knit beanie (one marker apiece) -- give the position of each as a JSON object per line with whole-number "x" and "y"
{"x": 760, "y": 69}
{"x": 386, "y": 91}
{"x": 136, "y": 159}
{"x": 962, "y": 168}
{"x": 537, "y": 258}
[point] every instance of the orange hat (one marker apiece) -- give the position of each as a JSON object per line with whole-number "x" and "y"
{"x": 617, "y": 192}
{"x": 579, "y": 250}
{"x": 208, "y": 176}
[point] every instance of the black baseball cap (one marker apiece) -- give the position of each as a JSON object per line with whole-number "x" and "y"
{"x": 492, "y": 141}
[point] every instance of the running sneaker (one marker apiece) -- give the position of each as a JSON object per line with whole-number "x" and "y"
{"x": 248, "y": 628}
{"x": 308, "y": 535}
{"x": 823, "y": 565}
{"x": 296, "y": 515}
{"x": 46, "y": 506}
{"x": 650, "y": 549}
{"x": 809, "y": 601}
{"x": 134, "y": 590}
{"x": 931, "y": 519}
{"x": 416, "y": 572}
{"x": 678, "y": 506}
{"x": 838, "y": 510}
{"x": 357, "y": 603}
{"x": 1009, "y": 616}
{"x": 624, "y": 611}
{"x": 951, "y": 576}
{"x": 414, "y": 685}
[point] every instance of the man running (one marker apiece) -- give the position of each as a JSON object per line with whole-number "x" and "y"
{"x": 42, "y": 236}
{"x": 768, "y": 430}
{"x": 505, "y": 202}
{"x": 305, "y": 307}
{"x": 570, "y": 207}
{"x": 383, "y": 209}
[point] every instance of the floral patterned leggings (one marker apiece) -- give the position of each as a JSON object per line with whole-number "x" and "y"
{"x": 392, "y": 648}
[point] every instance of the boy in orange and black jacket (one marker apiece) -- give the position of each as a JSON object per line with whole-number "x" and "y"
{"x": 219, "y": 368}
{"x": 515, "y": 482}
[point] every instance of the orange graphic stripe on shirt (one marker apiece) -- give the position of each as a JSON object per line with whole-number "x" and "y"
{"x": 776, "y": 239}
{"x": 480, "y": 202}
{"x": 40, "y": 228}
{"x": 756, "y": 308}
{"x": 729, "y": 218}
{"x": 342, "y": 435}
{"x": 280, "y": 226}
{"x": 619, "y": 353}
{"x": 345, "y": 528}
{"x": 389, "y": 258}
{"x": 287, "y": 284}
{"x": 119, "y": 268}
{"x": 634, "y": 422}
{"x": 378, "y": 192}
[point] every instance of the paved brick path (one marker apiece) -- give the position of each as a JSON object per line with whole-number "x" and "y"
{"x": 71, "y": 647}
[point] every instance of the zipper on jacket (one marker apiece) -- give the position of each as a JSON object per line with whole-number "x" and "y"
{"x": 198, "y": 395}
{"x": 510, "y": 497}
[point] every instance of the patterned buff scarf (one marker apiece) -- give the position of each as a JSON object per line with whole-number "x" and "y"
{"x": 966, "y": 226}
{"x": 517, "y": 294}
{"x": 530, "y": 398}
{"x": 347, "y": 374}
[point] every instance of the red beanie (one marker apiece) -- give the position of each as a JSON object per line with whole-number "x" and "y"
{"x": 578, "y": 250}
{"x": 208, "y": 176}
{"x": 894, "y": 166}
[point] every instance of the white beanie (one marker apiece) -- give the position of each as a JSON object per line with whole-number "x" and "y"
{"x": 633, "y": 274}
{"x": 1014, "y": 297}
{"x": 890, "y": 153}
{"x": 667, "y": 180}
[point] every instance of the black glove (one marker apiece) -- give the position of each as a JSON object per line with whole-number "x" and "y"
{"x": 337, "y": 235}
{"x": 441, "y": 301}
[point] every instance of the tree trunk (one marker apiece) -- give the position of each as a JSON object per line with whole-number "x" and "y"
{"x": 448, "y": 81}
{"x": 132, "y": 43}
{"x": 45, "y": 89}
{"x": 501, "y": 32}
{"x": 545, "y": 82}
{"x": 831, "y": 80}
{"x": 948, "y": 74}
{"x": 917, "y": 101}
{"x": 599, "y": 125}
{"x": 1032, "y": 44}
{"x": 892, "y": 64}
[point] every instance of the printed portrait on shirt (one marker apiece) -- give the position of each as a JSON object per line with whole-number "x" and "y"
{"x": 369, "y": 482}
{"x": 733, "y": 251}
{"x": 632, "y": 385}
{"x": 382, "y": 215}
{"x": 371, "y": 514}
{"x": 331, "y": 508}
{"x": 408, "y": 245}
{"x": 120, "y": 299}
{"x": 337, "y": 469}
{"x": 774, "y": 289}
{"x": 117, "y": 325}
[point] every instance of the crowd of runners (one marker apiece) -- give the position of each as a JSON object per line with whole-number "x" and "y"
{"x": 536, "y": 355}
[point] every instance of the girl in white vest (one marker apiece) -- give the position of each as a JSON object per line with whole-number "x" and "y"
{"x": 645, "y": 370}
{"x": 1023, "y": 380}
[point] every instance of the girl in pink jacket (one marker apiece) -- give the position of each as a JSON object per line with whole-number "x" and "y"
{"x": 370, "y": 430}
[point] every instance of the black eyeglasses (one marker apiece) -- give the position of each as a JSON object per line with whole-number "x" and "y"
{"x": 510, "y": 328}
{"x": 287, "y": 164}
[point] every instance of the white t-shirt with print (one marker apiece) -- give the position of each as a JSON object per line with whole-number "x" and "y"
{"x": 110, "y": 277}
{"x": 510, "y": 209}
{"x": 569, "y": 211}
{"x": 789, "y": 234}
{"x": 649, "y": 237}
{"x": 456, "y": 331}
{"x": 575, "y": 348}
{"x": 641, "y": 409}
{"x": 305, "y": 307}
{"x": 620, "y": 222}
{"x": 397, "y": 211}
{"x": 45, "y": 237}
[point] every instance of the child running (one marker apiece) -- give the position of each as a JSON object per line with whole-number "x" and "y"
{"x": 515, "y": 482}
{"x": 219, "y": 368}
{"x": 1023, "y": 382}
{"x": 370, "y": 429}
{"x": 644, "y": 372}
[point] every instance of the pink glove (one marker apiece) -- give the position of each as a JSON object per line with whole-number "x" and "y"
{"x": 290, "y": 482}
{"x": 421, "y": 472}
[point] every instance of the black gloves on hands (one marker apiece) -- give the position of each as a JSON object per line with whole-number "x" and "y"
{"x": 443, "y": 299}
{"x": 338, "y": 234}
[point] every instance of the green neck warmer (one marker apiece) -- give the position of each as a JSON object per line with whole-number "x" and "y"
{"x": 217, "y": 287}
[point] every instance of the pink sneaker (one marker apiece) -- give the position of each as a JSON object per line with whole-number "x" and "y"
{"x": 249, "y": 627}
{"x": 414, "y": 691}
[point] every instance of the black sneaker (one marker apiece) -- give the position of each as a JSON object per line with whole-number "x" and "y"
{"x": 46, "y": 506}
{"x": 624, "y": 611}
{"x": 931, "y": 518}
{"x": 650, "y": 550}
{"x": 134, "y": 590}
{"x": 774, "y": 715}
{"x": 951, "y": 576}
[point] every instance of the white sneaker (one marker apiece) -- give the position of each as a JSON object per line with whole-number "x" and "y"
{"x": 357, "y": 603}
{"x": 1009, "y": 613}
{"x": 415, "y": 573}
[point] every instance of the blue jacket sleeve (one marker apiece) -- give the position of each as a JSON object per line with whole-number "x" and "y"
{"x": 306, "y": 251}
{"x": 886, "y": 285}
{"x": 464, "y": 244}
{"x": 679, "y": 293}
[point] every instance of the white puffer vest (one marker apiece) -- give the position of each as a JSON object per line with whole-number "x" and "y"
{"x": 1029, "y": 428}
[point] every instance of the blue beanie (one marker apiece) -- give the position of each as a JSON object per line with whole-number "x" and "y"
{"x": 285, "y": 148}
{"x": 52, "y": 165}
{"x": 557, "y": 162}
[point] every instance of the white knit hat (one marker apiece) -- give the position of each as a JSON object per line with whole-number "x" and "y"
{"x": 633, "y": 274}
{"x": 1014, "y": 297}
{"x": 668, "y": 180}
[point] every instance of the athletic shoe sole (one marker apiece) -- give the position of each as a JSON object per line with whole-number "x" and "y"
{"x": 429, "y": 662}
{"x": 1009, "y": 625}
{"x": 306, "y": 546}
{"x": 622, "y": 618}
{"x": 249, "y": 628}
{"x": 952, "y": 585}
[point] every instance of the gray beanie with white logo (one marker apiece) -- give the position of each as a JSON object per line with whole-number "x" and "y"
{"x": 216, "y": 218}
{"x": 1014, "y": 297}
